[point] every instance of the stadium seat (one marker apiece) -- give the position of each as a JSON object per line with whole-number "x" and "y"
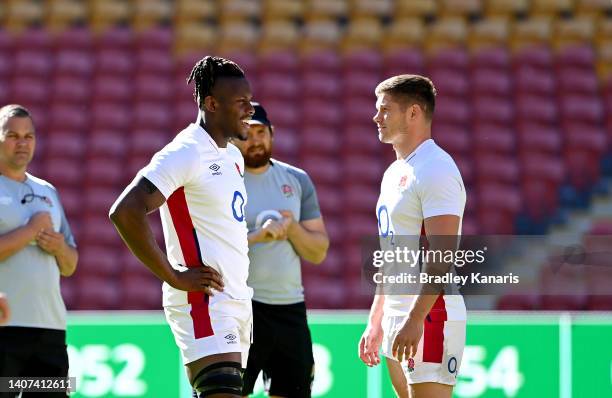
{"x": 517, "y": 302}
{"x": 150, "y": 13}
{"x": 550, "y": 7}
{"x": 68, "y": 287}
{"x": 119, "y": 38}
{"x": 66, "y": 143}
{"x": 285, "y": 115}
{"x": 535, "y": 108}
{"x": 98, "y": 198}
{"x": 96, "y": 227}
{"x": 331, "y": 202}
{"x": 460, "y": 8}
{"x": 153, "y": 61}
{"x": 69, "y": 117}
{"x": 315, "y": 139}
{"x": 538, "y": 138}
{"x": 577, "y": 80}
{"x": 110, "y": 115}
{"x": 451, "y": 110}
{"x": 34, "y": 63}
{"x": 403, "y": 60}
{"x": 360, "y": 197}
{"x": 491, "y": 82}
{"x": 320, "y": 85}
{"x": 452, "y": 138}
{"x": 326, "y": 170}
{"x": 505, "y": 8}
{"x": 140, "y": 292}
{"x": 282, "y": 62}
{"x": 534, "y": 80}
{"x": 368, "y": 61}
{"x": 358, "y": 84}
{"x": 495, "y": 109}
{"x": 497, "y": 168}
{"x": 146, "y": 142}
{"x": 321, "y": 61}
{"x": 317, "y": 111}
{"x": 581, "y": 108}
{"x": 151, "y": 86}
{"x": 98, "y": 293}
{"x": 112, "y": 88}
{"x": 74, "y": 63}
{"x": 534, "y": 56}
{"x": 490, "y": 137}
{"x": 488, "y": 33}
{"x": 114, "y": 61}
{"x": 30, "y": 90}
{"x": 494, "y": 58}
{"x": 361, "y": 138}
{"x": 70, "y": 90}
{"x": 324, "y": 292}
{"x": 277, "y": 86}
{"x": 99, "y": 261}
{"x": 448, "y": 82}
{"x": 103, "y": 172}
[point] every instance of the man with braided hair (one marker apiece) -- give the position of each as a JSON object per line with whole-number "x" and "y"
{"x": 197, "y": 183}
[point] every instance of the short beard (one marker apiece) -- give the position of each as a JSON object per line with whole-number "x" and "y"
{"x": 256, "y": 161}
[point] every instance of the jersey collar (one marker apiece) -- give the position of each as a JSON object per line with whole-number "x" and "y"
{"x": 423, "y": 146}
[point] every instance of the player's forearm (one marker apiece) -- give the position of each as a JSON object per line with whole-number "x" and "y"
{"x": 14, "y": 241}
{"x": 134, "y": 229}
{"x": 67, "y": 260}
{"x": 421, "y": 306}
{"x": 376, "y": 311}
{"x": 310, "y": 245}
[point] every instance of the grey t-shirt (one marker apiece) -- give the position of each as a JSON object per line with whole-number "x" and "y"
{"x": 30, "y": 278}
{"x": 274, "y": 271}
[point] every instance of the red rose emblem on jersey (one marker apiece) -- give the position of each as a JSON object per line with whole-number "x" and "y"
{"x": 287, "y": 190}
{"x": 403, "y": 181}
{"x": 410, "y": 365}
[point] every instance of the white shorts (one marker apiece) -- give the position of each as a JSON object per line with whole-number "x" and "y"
{"x": 222, "y": 325}
{"x": 439, "y": 352}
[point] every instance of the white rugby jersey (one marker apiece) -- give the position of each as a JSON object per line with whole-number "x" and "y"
{"x": 203, "y": 216}
{"x": 426, "y": 183}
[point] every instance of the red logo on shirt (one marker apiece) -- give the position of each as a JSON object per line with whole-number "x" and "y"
{"x": 403, "y": 181}
{"x": 239, "y": 172}
{"x": 287, "y": 190}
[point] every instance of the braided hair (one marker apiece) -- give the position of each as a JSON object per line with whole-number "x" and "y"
{"x": 206, "y": 72}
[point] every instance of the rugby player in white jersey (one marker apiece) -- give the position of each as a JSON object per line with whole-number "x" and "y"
{"x": 197, "y": 183}
{"x": 422, "y": 333}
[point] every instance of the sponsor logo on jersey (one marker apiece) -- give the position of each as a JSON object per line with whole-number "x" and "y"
{"x": 287, "y": 190}
{"x": 403, "y": 181}
{"x": 231, "y": 338}
{"x": 215, "y": 168}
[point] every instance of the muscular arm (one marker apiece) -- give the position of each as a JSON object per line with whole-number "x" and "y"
{"x": 442, "y": 235}
{"x": 129, "y": 215}
{"x": 309, "y": 239}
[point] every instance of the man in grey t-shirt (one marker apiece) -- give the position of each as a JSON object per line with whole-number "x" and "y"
{"x": 36, "y": 247}
{"x": 285, "y": 224}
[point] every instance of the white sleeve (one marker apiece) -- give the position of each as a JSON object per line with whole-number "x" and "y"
{"x": 442, "y": 192}
{"x": 172, "y": 167}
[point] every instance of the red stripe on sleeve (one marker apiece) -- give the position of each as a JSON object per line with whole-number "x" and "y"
{"x": 183, "y": 225}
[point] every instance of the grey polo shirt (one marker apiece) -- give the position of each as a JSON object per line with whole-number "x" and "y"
{"x": 30, "y": 278}
{"x": 274, "y": 271}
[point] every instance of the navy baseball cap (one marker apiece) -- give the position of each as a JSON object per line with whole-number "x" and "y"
{"x": 260, "y": 116}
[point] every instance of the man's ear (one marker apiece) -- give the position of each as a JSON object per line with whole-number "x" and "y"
{"x": 210, "y": 104}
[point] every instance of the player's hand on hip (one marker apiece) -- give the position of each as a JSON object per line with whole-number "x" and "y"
{"x": 5, "y": 312}
{"x": 50, "y": 241}
{"x": 406, "y": 341}
{"x": 195, "y": 279}
{"x": 369, "y": 345}
{"x": 40, "y": 221}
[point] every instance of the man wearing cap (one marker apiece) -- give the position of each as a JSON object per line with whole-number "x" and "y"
{"x": 285, "y": 224}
